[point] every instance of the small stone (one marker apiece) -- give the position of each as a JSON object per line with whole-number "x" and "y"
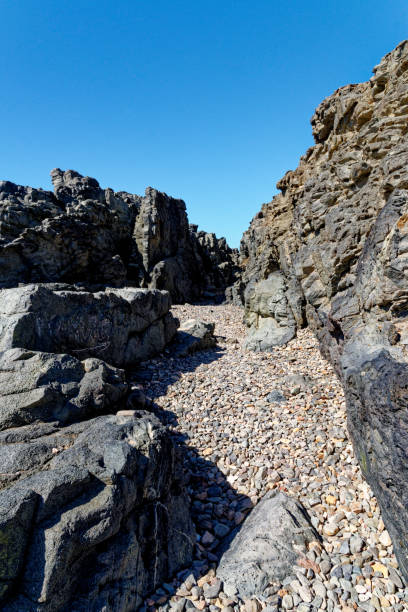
{"x": 356, "y": 544}
{"x": 330, "y": 529}
{"x": 385, "y": 539}
{"x": 305, "y": 593}
{"x": 207, "y": 538}
{"x": 211, "y": 590}
{"x": 395, "y": 577}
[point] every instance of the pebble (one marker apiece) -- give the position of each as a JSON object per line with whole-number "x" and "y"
{"x": 248, "y": 423}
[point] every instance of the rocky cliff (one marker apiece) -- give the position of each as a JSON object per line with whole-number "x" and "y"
{"x": 84, "y": 234}
{"x": 330, "y": 251}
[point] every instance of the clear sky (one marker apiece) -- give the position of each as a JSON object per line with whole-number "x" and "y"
{"x": 208, "y": 100}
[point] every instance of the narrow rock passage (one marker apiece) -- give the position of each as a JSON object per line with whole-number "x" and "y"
{"x": 251, "y": 422}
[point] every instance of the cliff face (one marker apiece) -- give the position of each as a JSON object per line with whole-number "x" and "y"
{"x": 330, "y": 251}
{"x": 84, "y": 234}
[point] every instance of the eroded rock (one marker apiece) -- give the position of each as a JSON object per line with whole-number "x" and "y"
{"x": 337, "y": 235}
{"x": 110, "y": 507}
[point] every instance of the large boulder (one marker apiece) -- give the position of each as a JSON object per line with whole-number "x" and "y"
{"x": 267, "y": 548}
{"x": 99, "y": 524}
{"x": 337, "y": 234}
{"x": 121, "y": 326}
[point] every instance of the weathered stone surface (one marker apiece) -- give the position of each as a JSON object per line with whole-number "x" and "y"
{"x": 121, "y": 326}
{"x": 85, "y": 234}
{"x": 110, "y": 507}
{"x": 267, "y": 547}
{"x": 193, "y": 335}
{"x": 36, "y": 386}
{"x": 337, "y": 234}
{"x": 268, "y": 314}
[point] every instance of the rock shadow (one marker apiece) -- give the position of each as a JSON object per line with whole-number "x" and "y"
{"x": 217, "y": 509}
{"x": 154, "y": 386}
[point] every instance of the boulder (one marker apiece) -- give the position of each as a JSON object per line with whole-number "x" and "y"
{"x": 121, "y": 326}
{"x": 109, "y": 505}
{"x": 268, "y": 546}
{"x": 193, "y": 335}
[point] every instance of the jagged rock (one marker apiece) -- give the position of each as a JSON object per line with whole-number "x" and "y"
{"x": 121, "y": 326}
{"x": 265, "y": 550}
{"x": 83, "y": 237}
{"x": 110, "y": 507}
{"x": 44, "y": 386}
{"x": 84, "y": 234}
{"x": 193, "y": 335}
{"x": 337, "y": 234}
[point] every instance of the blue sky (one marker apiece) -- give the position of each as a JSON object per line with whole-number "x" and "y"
{"x": 208, "y": 100}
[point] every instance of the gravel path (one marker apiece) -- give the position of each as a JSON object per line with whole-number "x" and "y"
{"x": 251, "y": 422}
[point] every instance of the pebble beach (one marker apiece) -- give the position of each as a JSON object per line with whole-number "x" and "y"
{"x": 248, "y": 423}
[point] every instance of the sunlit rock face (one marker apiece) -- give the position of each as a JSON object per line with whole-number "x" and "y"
{"x": 337, "y": 236}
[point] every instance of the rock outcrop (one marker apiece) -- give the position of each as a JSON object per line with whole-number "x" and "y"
{"x": 121, "y": 326}
{"x": 95, "y": 517}
{"x": 84, "y": 234}
{"x": 336, "y": 236}
{"x": 87, "y": 482}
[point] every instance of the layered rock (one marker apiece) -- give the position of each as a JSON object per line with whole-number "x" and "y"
{"x": 37, "y": 386}
{"x": 336, "y": 234}
{"x": 84, "y": 234}
{"x": 122, "y": 326}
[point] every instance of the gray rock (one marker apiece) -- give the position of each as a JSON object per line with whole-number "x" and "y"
{"x": 334, "y": 240}
{"x": 84, "y": 234}
{"x": 193, "y": 335}
{"x": 110, "y": 507}
{"x": 275, "y": 396}
{"x": 44, "y": 386}
{"x": 264, "y": 550}
{"x": 121, "y": 326}
{"x": 268, "y": 314}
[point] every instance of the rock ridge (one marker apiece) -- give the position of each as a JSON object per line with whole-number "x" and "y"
{"x": 329, "y": 252}
{"x": 82, "y": 233}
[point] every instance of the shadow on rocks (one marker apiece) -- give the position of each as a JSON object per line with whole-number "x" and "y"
{"x": 217, "y": 509}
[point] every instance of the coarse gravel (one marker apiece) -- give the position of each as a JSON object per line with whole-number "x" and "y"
{"x": 250, "y": 422}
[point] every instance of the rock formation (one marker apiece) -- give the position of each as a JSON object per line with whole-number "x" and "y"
{"x": 84, "y": 234}
{"x": 330, "y": 251}
{"x": 95, "y": 516}
{"x": 122, "y": 326}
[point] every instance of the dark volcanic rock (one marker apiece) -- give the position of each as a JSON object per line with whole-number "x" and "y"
{"x": 85, "y": 234}
{"x": 37, "y": 386}
{"x": 102, "y": 526}
{"x": 267, "y": 547}
{"x": 337, "y": 233}
{"x": 121, "y": 326}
